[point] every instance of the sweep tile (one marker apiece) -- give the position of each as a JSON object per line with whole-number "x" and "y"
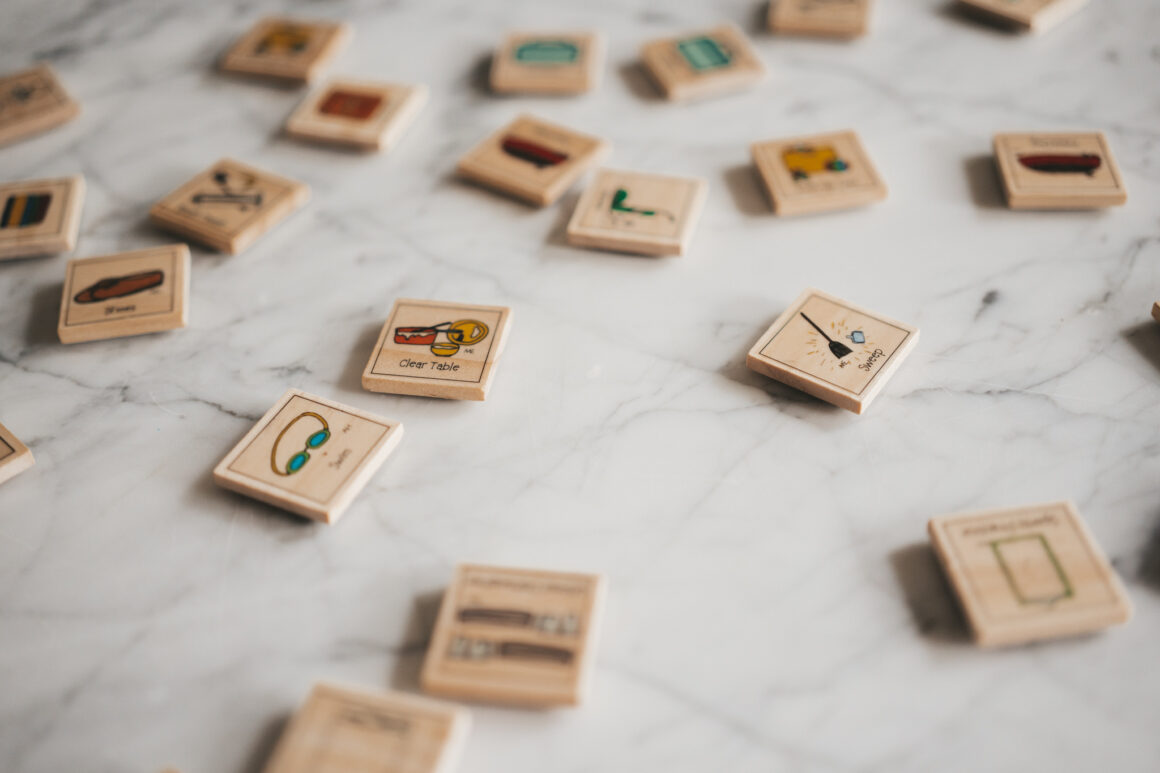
{"x": 228, "y": 206}
{"x": 548, "y": 63}
{"x": 818, "y": 173}
{"x": 532, "y": 159}
{"x": 820, "y": 18}
{"x": 339, "y": 730}
{"x": 703, "y": 64}
{"x": 40, "y": 217}
{"x": 33, "y": 101}
{"x": 126, "y": 294}
{"x": 833, "y": 350}
{"x": 438, "y": 349}
{"x": 1058, "y": 170}
{"x": 368, "y": 115}
{"x": 15, "y": 457}
{"x": 515, "y": 636}
{"x": 1028, "y": 573}
{"x": 1026, "y": 15}
{"x": 647, "y": 214}
{"x": 286, "y": 49}
{"x": 309, "y": 455}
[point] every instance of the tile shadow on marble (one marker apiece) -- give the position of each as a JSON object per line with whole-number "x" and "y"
{"x": 43, "y": 316}
{"x": 479, "y": 79}
{"x": 1149, "y": 571}
{"x": 263, "y": 747}
{"x": 416, "y": 637}
{"x": 744, "y": 186}
{"x": 983, "y": 180}
{"x": 360, "y": 353}
{"x": 639, "y": 82}
{"x": 204, "y": 490}
{"x": 979, "y": 20}
{"x": 1145, "y": 339}
{"x": 933, "y": 608}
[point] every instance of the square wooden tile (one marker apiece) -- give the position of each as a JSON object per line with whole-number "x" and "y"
{"x": 33, "y": 101}
{"x": 818, "y": 173}
{"x": 228, "y": 206}
{"x": 532, "y": 160}
{"x": 127, "y": 294}
{"x": 833, "y": 350}
{"x": 369, "y": 115}
{"x": 548, "y": 63}
{"x": 1027, "y": 573}
{"x": 703, "y": 64}
{"x": 1028, "y": 15}
{"x": 40, "y": 217}
{"x": 646, "y": 214}
{"x": 515, "y": 636}
{"x": 15, "y": 457}
{"x": 821, "y": 18}
{"x": 286, "y": 49}
{"x": 309, "y": 455}
{"x": 438, "y": 349}
{"x": 1058, "y": 170}
{"x": 339, "y": 730}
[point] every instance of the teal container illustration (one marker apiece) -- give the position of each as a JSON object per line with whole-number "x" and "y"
{"x": 547, "y": 52}
{"x": 703, "y": 53}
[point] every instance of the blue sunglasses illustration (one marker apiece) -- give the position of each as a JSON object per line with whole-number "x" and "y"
{"x": 299, "y": 460}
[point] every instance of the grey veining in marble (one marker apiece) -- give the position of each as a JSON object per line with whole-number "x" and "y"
{"x": 774, "y": 604}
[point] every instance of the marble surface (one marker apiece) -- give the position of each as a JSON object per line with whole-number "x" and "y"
{"x": 773, "y": 602}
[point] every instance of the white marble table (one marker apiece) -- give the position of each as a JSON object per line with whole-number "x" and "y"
{"x": 774, "y": 604}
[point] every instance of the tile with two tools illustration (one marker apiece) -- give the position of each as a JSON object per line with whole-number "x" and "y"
{"x": 832, "y": 349}
{"x": 437, "y": 349}
{"x": 32, "y": 101}
{"x": 1028, "y": 573}
{"x": 1063, "y": 170}
{"x": 130, "y": 293}
{"x": 817, "y": 173}
{"x": 515, "y": 636}
{"x": 824, "y": 18}
{"x": 287, "y": 49}
{"x": 40, "y": 217}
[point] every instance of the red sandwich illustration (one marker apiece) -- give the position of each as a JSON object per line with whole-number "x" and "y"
{"x": 1062, "y": 163}
{"x": 120, "y": 286}
{"x": 532, "y": 152}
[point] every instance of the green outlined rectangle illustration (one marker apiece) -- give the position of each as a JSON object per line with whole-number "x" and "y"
{"x": 1032, "y": 569}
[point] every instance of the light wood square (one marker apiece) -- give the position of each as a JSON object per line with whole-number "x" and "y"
{"x": 15, "y": 457}
{"x": 833, "y": 350}
{"x": 702, "y": 64}
{"x": 1028, "y": 573}
{"x": 127, "y": 294}
{"x": 40, "y": 217}
{"x": 309, "y": 455}
{"x": 1058, "y": 170}
{"x": 532, "y": 159}
{"x": 647, "y": 214}
{"x": 823, "y": 18}
{"x": 818, "y": 173}
{"x": 363, "y": 114}
{"x": 339, "y": 730}
{"x": 1034, "y": 15}
{"x": 286, "y": 49}
{"x": 548, "y": 63}
{"x": 515, "y": 636}
{"x": 438, "y": 349}
{"x": 33, "y": 101}
{"x": 228, "y": 206}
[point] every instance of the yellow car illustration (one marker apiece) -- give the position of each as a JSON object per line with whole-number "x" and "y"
{"x": 805, "y": 160}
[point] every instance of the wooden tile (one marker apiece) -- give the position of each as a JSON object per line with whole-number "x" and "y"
{"x": 369, "y": 115}
{"x": 818, "y": 173}
{"x": 833, "y": 350}
{"x": 309, "y": 455}
{"x": 127, "y": 294}
{"x": 548, "y": 63}
{"x": 339, "y": 730}
{"x": 33, "y": 101}
{"x": 703, "y": 64}
{"x": 532, "y": 159}
{"x": 1028, "y": 573}
{"x": 15, "y": 457}
{"x": 821, "y": 18}
{"x": 40, "y": 217}
{"x": 229, "y": 205}
{"x": 438, "y": 349}
{"x": 286, "y": 49}
{"x": 646, "y": 214}
{"x": 1026, "y": 15}
{"x": 515, "y": 636}
{"x": 1060, "y": 170}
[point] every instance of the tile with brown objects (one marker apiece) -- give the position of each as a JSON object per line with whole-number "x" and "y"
{"x": 1058, "y": 170}
{"x": 230, "y": 205}
{"x": 33, "y": 101}
{"x": 1024, "y": 574}
{"x": 549, "y": 63}
{"x": 820, "y": 18}
{"x": 126, "y": 294}
{"x": 362, "y": 114}
{"x": 40, "y": 217}
{"x": 1024, "y": 15}
{"x": 703, "y": 64}
{"x": 15, "y": 457}
{"x": 515, "y": 636}
{"x": 817, "y": 173}
{"x": 286, "y": 49}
